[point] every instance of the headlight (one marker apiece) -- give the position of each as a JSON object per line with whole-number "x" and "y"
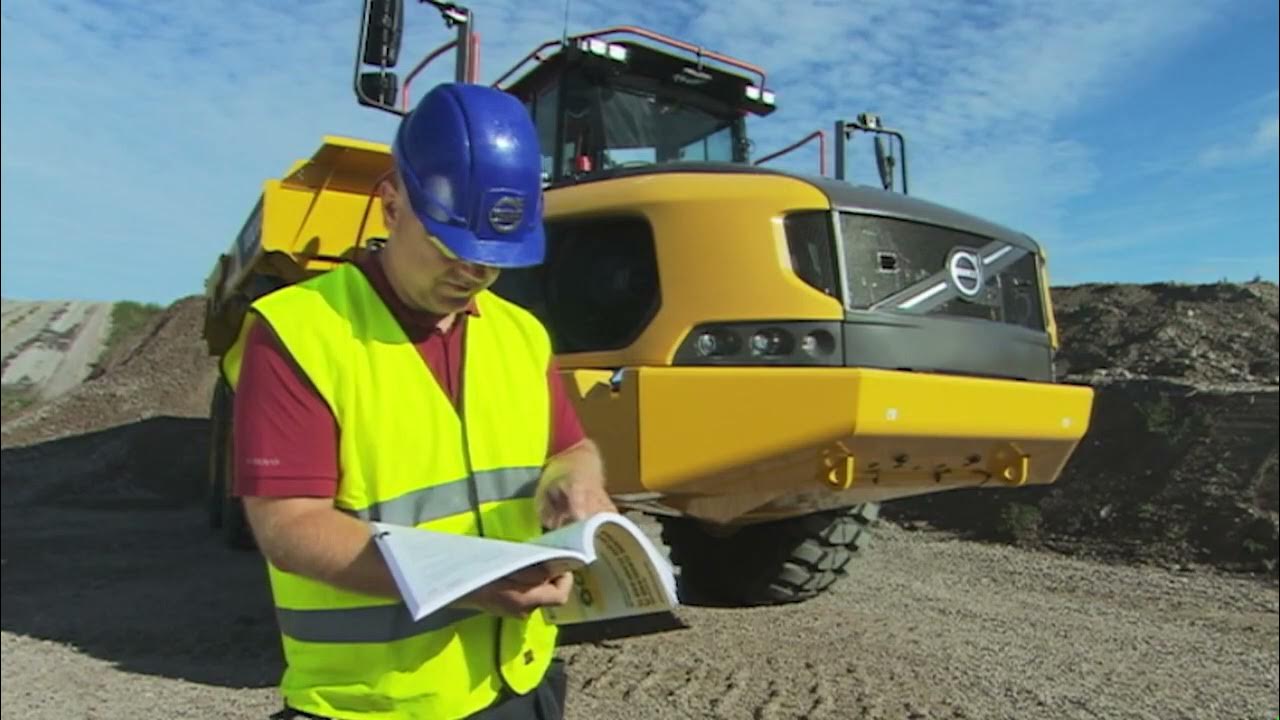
{"x": 717, "y": 342}
{"x": 818, "y": 343}
{"x": 746, "y": 343}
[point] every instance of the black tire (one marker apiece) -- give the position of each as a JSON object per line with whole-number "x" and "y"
{"x": 216, "y": 487}
{"x": 235, "y": 527}
{"x": 226, "y": 512}
{"x": 773, "y": 563}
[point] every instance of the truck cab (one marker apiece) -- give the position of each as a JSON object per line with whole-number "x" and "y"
{"x": 603, "y": 106}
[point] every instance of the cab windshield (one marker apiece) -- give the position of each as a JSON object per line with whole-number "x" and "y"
{"x": 643, "y": 129}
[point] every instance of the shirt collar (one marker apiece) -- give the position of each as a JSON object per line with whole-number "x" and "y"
{"x": 415, "y": 322}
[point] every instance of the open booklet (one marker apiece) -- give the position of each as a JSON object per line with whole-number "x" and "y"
{"x": 618, "y": 572}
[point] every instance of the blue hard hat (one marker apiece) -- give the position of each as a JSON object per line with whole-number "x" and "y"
{"x": 469, "y": 158}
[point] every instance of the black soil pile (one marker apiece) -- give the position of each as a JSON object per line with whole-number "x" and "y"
{"x": 1180, "y": 462}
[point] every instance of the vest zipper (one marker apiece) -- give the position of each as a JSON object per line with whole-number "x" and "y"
{"x": 460, "y": 410}
{"x": 472, "y": 488}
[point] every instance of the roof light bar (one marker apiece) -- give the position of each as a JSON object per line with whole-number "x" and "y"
{"x": 603, "y": 49}
{"x": 759, "y": 95}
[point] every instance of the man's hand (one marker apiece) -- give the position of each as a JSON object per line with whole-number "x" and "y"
{"x": 572, "y": 487}
{"x": 520, "y": 593}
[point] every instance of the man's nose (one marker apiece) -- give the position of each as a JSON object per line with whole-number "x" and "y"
{"x": 478, "y": 272}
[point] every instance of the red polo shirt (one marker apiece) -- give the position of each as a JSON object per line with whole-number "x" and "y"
{"x": 286, "y": 439}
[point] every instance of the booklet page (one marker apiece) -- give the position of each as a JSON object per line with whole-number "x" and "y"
{"x": 433, "y": 569}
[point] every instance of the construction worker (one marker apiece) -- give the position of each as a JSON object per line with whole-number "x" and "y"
{"x": 400, "y": 389}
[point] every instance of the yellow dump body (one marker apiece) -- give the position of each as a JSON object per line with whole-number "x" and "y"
{"x": 321, "y": 212}
{"x": 723, "y": 443}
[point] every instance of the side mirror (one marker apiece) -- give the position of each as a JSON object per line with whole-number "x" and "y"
{"x": 378, "y": 88}
{"x": 384, "y": 27}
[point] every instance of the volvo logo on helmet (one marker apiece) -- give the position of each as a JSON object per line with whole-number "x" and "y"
{"x": 964, "y": 267}
{"x": 507, "y": 213}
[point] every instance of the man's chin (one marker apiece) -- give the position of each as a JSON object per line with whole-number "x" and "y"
{"x": 451, "y": 301}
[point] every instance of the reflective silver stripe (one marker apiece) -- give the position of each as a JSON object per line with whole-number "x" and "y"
{"x": 987, "y": 260}
{"x": 378, "y": 624}
{"x": 452, "y": 497}
{"x": 914, "y": 301}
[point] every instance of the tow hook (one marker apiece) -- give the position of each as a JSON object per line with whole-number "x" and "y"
{"x": 838, "y": 467}
{"x": 1010, "y": 465}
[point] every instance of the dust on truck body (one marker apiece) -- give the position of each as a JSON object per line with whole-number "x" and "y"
{"x": 762, "y": 356}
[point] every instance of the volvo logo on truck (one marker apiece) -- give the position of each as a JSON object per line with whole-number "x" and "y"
{"x": 965, "y": 269}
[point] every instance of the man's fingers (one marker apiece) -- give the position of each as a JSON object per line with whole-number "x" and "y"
{"x": 533, "y": 587}
{"x": 588, "y": 500}
{"x": 554, "y": 592}
{"x": 564, "y": 586}
{"x": 556, "y": 507}
{"x": 530, "y": 576}
{"x": 569, "y": 501}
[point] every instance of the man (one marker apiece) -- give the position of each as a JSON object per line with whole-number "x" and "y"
{"x": 401, "y": 389}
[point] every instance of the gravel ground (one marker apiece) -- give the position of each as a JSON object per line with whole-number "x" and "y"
{"x": 141, "y": 614}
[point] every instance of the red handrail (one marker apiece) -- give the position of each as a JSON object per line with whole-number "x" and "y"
{"x": 659, "y": 37}
{"x": 525, "y": 59}
{"x": 473, "y": 72}
{"x": 408, "y": 79}
{"x": 822, "y": 150}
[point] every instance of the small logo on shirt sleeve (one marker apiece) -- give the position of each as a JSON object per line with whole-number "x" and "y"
{"x": 262, "y": 461}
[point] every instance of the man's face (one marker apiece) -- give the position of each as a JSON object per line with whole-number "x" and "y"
{"x": 423, "y": 272}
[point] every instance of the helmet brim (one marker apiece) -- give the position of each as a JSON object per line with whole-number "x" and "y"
{"x": 517, "y": 250}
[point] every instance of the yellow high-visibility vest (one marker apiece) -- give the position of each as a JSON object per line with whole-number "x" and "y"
{"x": 403, "y": 452}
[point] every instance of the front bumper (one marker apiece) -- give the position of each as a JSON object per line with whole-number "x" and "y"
{"x": 751, "y": 443}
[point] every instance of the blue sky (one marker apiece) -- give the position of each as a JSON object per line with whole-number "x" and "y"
{"x": 1137, "y": 140}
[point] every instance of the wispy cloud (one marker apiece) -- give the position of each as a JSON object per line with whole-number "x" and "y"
{"x": 135, "y": 135}
{"x": 1262, "y": 145}
{"x": 986, "y": 91}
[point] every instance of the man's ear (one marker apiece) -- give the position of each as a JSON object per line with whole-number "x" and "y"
{"x": 390, "y": 196}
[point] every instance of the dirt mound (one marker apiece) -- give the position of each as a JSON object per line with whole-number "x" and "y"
{"x": 1203, "y": 334}
{"x": 163, "y": 370}
{"x": 1180, "y": 461}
